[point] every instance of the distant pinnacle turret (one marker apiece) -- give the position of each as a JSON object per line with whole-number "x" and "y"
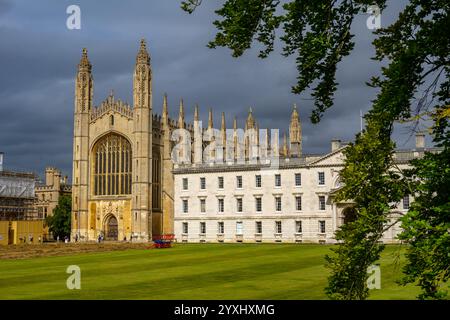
{"x": 223, "y": 132}
{"x": 84, "y": 84}
{"x": 165, "y": 112}
{"x": 250, "y": 123}
{"x": 143, "y": 57}
{"x": 85, "y": 64}
{"x": 196, "y": 117}
{"x": 223, "y": 127}
{"x": 295, "y": 133}
{"x": 181, "y": 115}
{"x": 210, "y": 119}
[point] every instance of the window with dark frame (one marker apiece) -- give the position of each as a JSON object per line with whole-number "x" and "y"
{"x": 202, "y": 205}
{"x": 321, "y": 202}
{"x": 239, "y": 204}
{"x": 278, "y": 204}
{"x": 239, "y": 182}
{"x": 322, "y": 226}
{"x": 202, "y": 183}
{"x": 220, "y": 227}
{"x": 278, "y": 228}
{"x": 258, "y": 202}
{"x": 258, "y": 181}
{"x": 258, "y": 227}
{"x": 278, "y": 180}
{"x": 298, "y": 179}
{"x": 202, "y": 227}
{"x": 321, "y": 177}
{"x": 406, "y": 202}
{"x": 298, "y": 203}
{"x": 298, "y": 226}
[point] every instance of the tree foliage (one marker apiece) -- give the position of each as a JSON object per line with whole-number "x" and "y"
{"x": 316, "y": 32}
{"x": 369, "y": 182}
{"x": 426, "y": 226}
{"x": 59, "y": 222}
{"x": 415, "y": 81}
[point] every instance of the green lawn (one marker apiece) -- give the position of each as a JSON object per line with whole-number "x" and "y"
{"x": 190, "y": 271}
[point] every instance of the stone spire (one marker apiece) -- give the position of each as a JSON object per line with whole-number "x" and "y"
{"x": 143, "y": 57}
{"x": 211, "y": 136}
{"x": 295, "y": 133}
{"x": 165, "y": 112}
{"x": 223, "y": 127}
{"x": 196, "y": 118}
{"x": 181, "y": 115}
{"x": 142, "y": 84}
{"x": 210, "y": 119}
{"x": 84, "y": 84}
{"x": 223, "y": 132}
{"x": 85, "y": 64}
{"x": 250, "y": 123}
{"x": 250, "y": 139}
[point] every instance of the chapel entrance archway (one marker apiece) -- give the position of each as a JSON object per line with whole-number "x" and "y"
{"x": 111, "y": 228}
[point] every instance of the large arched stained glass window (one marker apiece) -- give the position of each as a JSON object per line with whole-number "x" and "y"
{"x": 112, "y": 166}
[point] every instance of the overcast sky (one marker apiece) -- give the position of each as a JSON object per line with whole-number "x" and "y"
{"x": 39, "y": 57}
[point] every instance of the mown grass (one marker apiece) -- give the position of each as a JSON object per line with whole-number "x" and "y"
{"x": 190, "y": 271}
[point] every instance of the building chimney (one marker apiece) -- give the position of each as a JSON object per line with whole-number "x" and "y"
{"x": 1, "y": 161}
{"x": 335, "y": 144}
{"x": 420, "y": 140}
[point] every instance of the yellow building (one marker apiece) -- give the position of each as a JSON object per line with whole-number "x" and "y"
{"x": 18, "y": 232}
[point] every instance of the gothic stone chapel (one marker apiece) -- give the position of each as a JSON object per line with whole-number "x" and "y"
{"x": 122, "y": 171}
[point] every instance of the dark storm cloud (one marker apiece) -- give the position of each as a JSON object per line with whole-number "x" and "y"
{"x": 39, "y": 56}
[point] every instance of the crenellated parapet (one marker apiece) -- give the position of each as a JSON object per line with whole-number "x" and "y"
{"x": 110, "y": 104}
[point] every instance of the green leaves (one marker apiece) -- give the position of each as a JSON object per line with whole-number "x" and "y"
{"x": 245, "y": 21}
{"x": 190, "y": 5}
{"x": 317, "y": 32}
{"x": 368, "y": 183}
{"x": 426, "y": 226}
{"x": 59, "y": 222}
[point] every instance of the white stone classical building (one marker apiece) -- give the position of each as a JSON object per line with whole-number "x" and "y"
{"x": 231, "y": 202}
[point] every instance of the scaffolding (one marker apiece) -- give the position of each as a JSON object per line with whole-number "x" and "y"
{"x": 17, "y": 196}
